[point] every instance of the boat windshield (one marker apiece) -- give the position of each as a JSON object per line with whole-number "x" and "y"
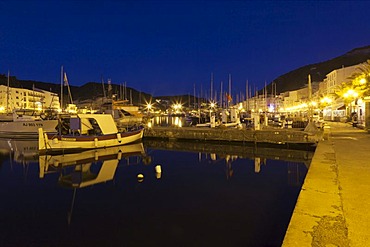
{"x": 26, "y": 112}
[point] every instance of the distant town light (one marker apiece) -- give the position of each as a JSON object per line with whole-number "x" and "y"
{"x": 271, "y": 108}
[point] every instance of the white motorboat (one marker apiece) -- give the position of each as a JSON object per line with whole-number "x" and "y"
{"x": 25, "y": 124}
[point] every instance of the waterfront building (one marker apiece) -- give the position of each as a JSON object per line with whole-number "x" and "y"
{"x": 19, "y": 98}
{"x": 334, "y": 108}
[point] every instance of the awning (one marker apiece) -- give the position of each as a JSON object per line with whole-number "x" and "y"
{"x": 343, "y": 107}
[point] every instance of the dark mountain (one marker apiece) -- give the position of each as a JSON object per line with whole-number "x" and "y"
{"x": 94, "y": 90}
{"x": 292, "y": 80}
{"x": 296, "y": 79}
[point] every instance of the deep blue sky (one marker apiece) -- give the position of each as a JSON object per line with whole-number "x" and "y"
{"x": 165, "y": 47}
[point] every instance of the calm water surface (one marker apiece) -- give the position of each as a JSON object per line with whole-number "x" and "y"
{"x": 219, "y": 198}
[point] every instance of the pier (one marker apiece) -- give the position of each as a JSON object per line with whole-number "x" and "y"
{"x": 239, "y": 135}
{"x": 333, "y": 206}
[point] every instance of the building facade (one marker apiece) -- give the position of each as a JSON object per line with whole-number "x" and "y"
{"x": 20, "y": 98}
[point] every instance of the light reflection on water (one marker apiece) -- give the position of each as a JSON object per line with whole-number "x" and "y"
{"x": 170, "y": 121}
{"x": 206, "y": 195}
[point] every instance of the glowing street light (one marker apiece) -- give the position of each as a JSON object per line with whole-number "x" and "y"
{"x": 350, "y": 94}
{"x": 326, "y": 100}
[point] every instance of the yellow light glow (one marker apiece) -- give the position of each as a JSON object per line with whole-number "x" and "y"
{"x": 362, "y": 81}
{"x": 326, "y": 100}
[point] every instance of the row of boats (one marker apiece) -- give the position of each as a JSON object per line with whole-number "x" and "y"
{"x": 68, "y": 133}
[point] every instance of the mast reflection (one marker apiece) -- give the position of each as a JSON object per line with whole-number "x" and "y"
{"x": 77, "y": 170}
{"x": 216, "y": 152}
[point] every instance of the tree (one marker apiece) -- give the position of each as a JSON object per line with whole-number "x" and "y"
{"x": 359, "y": 84}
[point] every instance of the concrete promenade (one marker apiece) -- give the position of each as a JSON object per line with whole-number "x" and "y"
{"x": 333, "y": 207}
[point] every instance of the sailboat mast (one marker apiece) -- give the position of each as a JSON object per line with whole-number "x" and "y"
{"x": 194, "y": 96}
{"x": 246, "y": 95}
{"x": 61, "y": 88}
{"x": 69, "y": 89}
{"x": 228, "y": 102}
{"x": 221, "y": 96}
{"x": 102, "y": 82}
{"x": 7, "y": 94}
{"x": 265, "y": 96}
{"x": 211, "y": 87}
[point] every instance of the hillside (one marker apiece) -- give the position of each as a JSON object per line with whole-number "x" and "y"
{"x": 298, "y": 78}
{"x": 93, "y": 90}
{"x": 290, "y": 81}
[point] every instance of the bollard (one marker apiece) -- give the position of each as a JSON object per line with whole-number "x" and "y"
{"x": 158, "y": 171}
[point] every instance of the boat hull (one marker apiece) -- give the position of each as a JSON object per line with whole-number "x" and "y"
{"x": 52, "y": 143}
{"x": 26, "y": 129}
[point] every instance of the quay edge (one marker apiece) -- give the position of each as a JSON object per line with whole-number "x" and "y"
{"x": 268, "y": 136}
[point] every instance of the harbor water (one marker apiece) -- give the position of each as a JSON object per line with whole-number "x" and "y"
{"x": 153, "y": 193}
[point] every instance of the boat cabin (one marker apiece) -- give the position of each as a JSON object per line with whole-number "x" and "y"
{"x": 92, "y": 124}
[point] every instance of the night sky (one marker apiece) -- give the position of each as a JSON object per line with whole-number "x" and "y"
{"x": 167, "y": 47}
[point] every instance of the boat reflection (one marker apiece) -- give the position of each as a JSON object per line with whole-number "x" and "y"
{"x": 76, "y": 169}
{"x": 19, "y": 150}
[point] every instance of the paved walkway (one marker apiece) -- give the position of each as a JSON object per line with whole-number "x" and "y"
{"x": 333, "y": 208}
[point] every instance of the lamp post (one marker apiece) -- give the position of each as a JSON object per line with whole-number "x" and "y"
{"x": 326, "y": 101}
{"x": 351, "y": 95}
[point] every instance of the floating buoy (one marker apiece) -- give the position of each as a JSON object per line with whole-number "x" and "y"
{"x": 140, "y": 177}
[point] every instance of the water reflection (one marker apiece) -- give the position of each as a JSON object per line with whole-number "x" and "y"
{"x": 228, "y": 153}
{"x": 22, "y": 151}
{"x": 79, "y": 170}
{"x": 76, "y": 169}
{"x": 170, "y": 121}
{"x": 187, "y": 188}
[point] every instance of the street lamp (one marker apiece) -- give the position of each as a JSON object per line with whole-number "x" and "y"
{"x": 351, "y": 95}
{"x": 326, "y": 101}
